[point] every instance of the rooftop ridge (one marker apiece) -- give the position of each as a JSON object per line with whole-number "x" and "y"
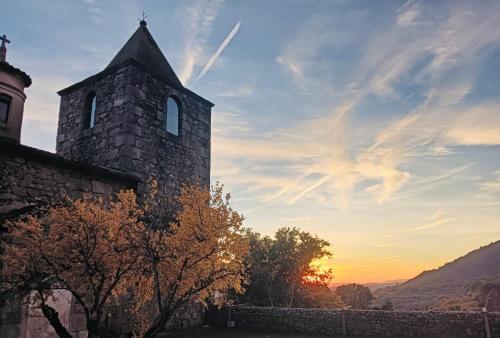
{"x": 142, "y": 47}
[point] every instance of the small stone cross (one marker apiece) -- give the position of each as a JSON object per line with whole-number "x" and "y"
{"x": 3, "y": 49}
{"x": 4, "y": 40}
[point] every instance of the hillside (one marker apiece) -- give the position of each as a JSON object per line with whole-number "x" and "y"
{"x": 458, "y": 285}
{"x": 373, "y": 286}
{"x": 376, "y": 286}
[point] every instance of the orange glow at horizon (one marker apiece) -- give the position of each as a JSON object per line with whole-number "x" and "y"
{"x": 365, "y": 270}
{"x": 372, "y": 273}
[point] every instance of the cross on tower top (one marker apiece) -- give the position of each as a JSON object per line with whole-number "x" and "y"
{"x": 3, "y": 48}
{"x": 142, "y": 21}
{"x": 4, "y": 40}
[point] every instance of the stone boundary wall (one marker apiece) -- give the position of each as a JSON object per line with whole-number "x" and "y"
{"x": 365, "y": 323}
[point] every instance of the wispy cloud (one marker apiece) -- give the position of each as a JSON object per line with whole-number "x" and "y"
{"x": 478, "y": 125}
{"x": 490, "y": 188}
{"x": 300, "y": 56}
{"x": 408, "y": 14}
{"x": 197, "y": 20}
{"x": 437, "y": 218}
{"x": 241, "y": 90}
{"x": 219, "y": 51}
{"x": 95, "y": 12}
{"x": 318, "y": 158}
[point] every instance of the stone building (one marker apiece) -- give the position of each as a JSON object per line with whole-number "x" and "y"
{"x": 131, "y": 121}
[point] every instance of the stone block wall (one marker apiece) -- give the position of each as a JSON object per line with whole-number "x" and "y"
{"x": 31, "y": 177}
{"x": 129, "y": 133}
{"x": 366, "y": 323}
{"x": 120, "y": 324}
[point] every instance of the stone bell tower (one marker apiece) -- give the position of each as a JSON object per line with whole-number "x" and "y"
{"x": 135, "y": 116}
{"x": 12, "y": 97}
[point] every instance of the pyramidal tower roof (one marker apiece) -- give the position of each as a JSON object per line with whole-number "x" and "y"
{"x": 141, "y": 47}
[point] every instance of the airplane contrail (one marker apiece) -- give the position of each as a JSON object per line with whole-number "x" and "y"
{"x": 219, "y": 51}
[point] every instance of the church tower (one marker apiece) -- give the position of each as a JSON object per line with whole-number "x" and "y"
{"x": 13, "y": 81}
{"x": 135, "y": 116}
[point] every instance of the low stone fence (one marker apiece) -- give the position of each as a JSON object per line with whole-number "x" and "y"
{"x": 364, "y": 323}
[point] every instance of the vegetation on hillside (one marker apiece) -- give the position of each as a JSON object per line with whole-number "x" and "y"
{"x": 468, "y": 283}
{"x": 355, "y": 295}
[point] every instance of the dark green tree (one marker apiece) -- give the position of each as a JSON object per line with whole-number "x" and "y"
{"x": 280, "y": 268}
{"x": 355, "y": 295}
{"x": 387, "y": 306}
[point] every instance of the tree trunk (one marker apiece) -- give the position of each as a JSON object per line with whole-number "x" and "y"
{"x": 291, "y": 294}
{"x": 270, "y": 297}
{"x": 53, "y": 318}
{"x": 156, "y": 328}
{"x": 92, "y": 328}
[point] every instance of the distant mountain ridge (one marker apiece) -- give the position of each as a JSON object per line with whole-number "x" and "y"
{"x": 374, "y": 285}
{"x": 455, "y": 285}
{"x": 379, "y": 285}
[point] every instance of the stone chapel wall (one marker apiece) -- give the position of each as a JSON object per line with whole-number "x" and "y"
{"x": 31, "y": 177}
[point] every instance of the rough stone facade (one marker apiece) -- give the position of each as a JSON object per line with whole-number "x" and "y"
{"x": 31, "y": 177}
{"x": 70, "y": 313}
{"x": 366, "y": 323}
{"x": 188, "y": 316}
{"x": 129, "y": 134}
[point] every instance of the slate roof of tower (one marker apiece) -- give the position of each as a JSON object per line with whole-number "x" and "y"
{"x": 142, "y": 48}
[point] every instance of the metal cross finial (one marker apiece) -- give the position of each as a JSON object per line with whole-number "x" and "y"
{"x": 142, "y": 21}
{"x": 4, "y": 40}
{"x": 3, "y": 49}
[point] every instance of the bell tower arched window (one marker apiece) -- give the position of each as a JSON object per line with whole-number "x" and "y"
{"x": 89, "y": 110}
{"x": 4, "y": 107}
{"x": 172, "y": 112}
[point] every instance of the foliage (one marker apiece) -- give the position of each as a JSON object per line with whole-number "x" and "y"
{"x": 281, "y": 270}
{"x": 317, "y": 295}
{"x": 197, "y": 255}
{"x": 88, "y": 247}
{"x": 102, "y": 251}
{"x": 489, "y": 296}
{"x": 355, "y": 295}
{"x": 387, "y": 306}
{"x": 441, "y": 289}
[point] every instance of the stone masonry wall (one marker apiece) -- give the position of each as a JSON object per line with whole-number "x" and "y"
{"x": 31, "y": 177}
{"x": 129, "y": 134}
{"x": 366, "y": 323}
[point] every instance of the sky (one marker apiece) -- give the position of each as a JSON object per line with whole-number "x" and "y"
{"x": 372, "y": 124}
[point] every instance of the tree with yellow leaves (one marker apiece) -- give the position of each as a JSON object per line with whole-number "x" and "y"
{"x": 88, "y": 247}
{"x": 196, "y": 255}
{"x": 98, "y": 250}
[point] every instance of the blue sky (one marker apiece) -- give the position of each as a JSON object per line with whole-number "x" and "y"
{"x": 375, "y": 125}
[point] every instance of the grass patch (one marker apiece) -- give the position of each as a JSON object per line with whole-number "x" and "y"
{"x": 228, "y": 333}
